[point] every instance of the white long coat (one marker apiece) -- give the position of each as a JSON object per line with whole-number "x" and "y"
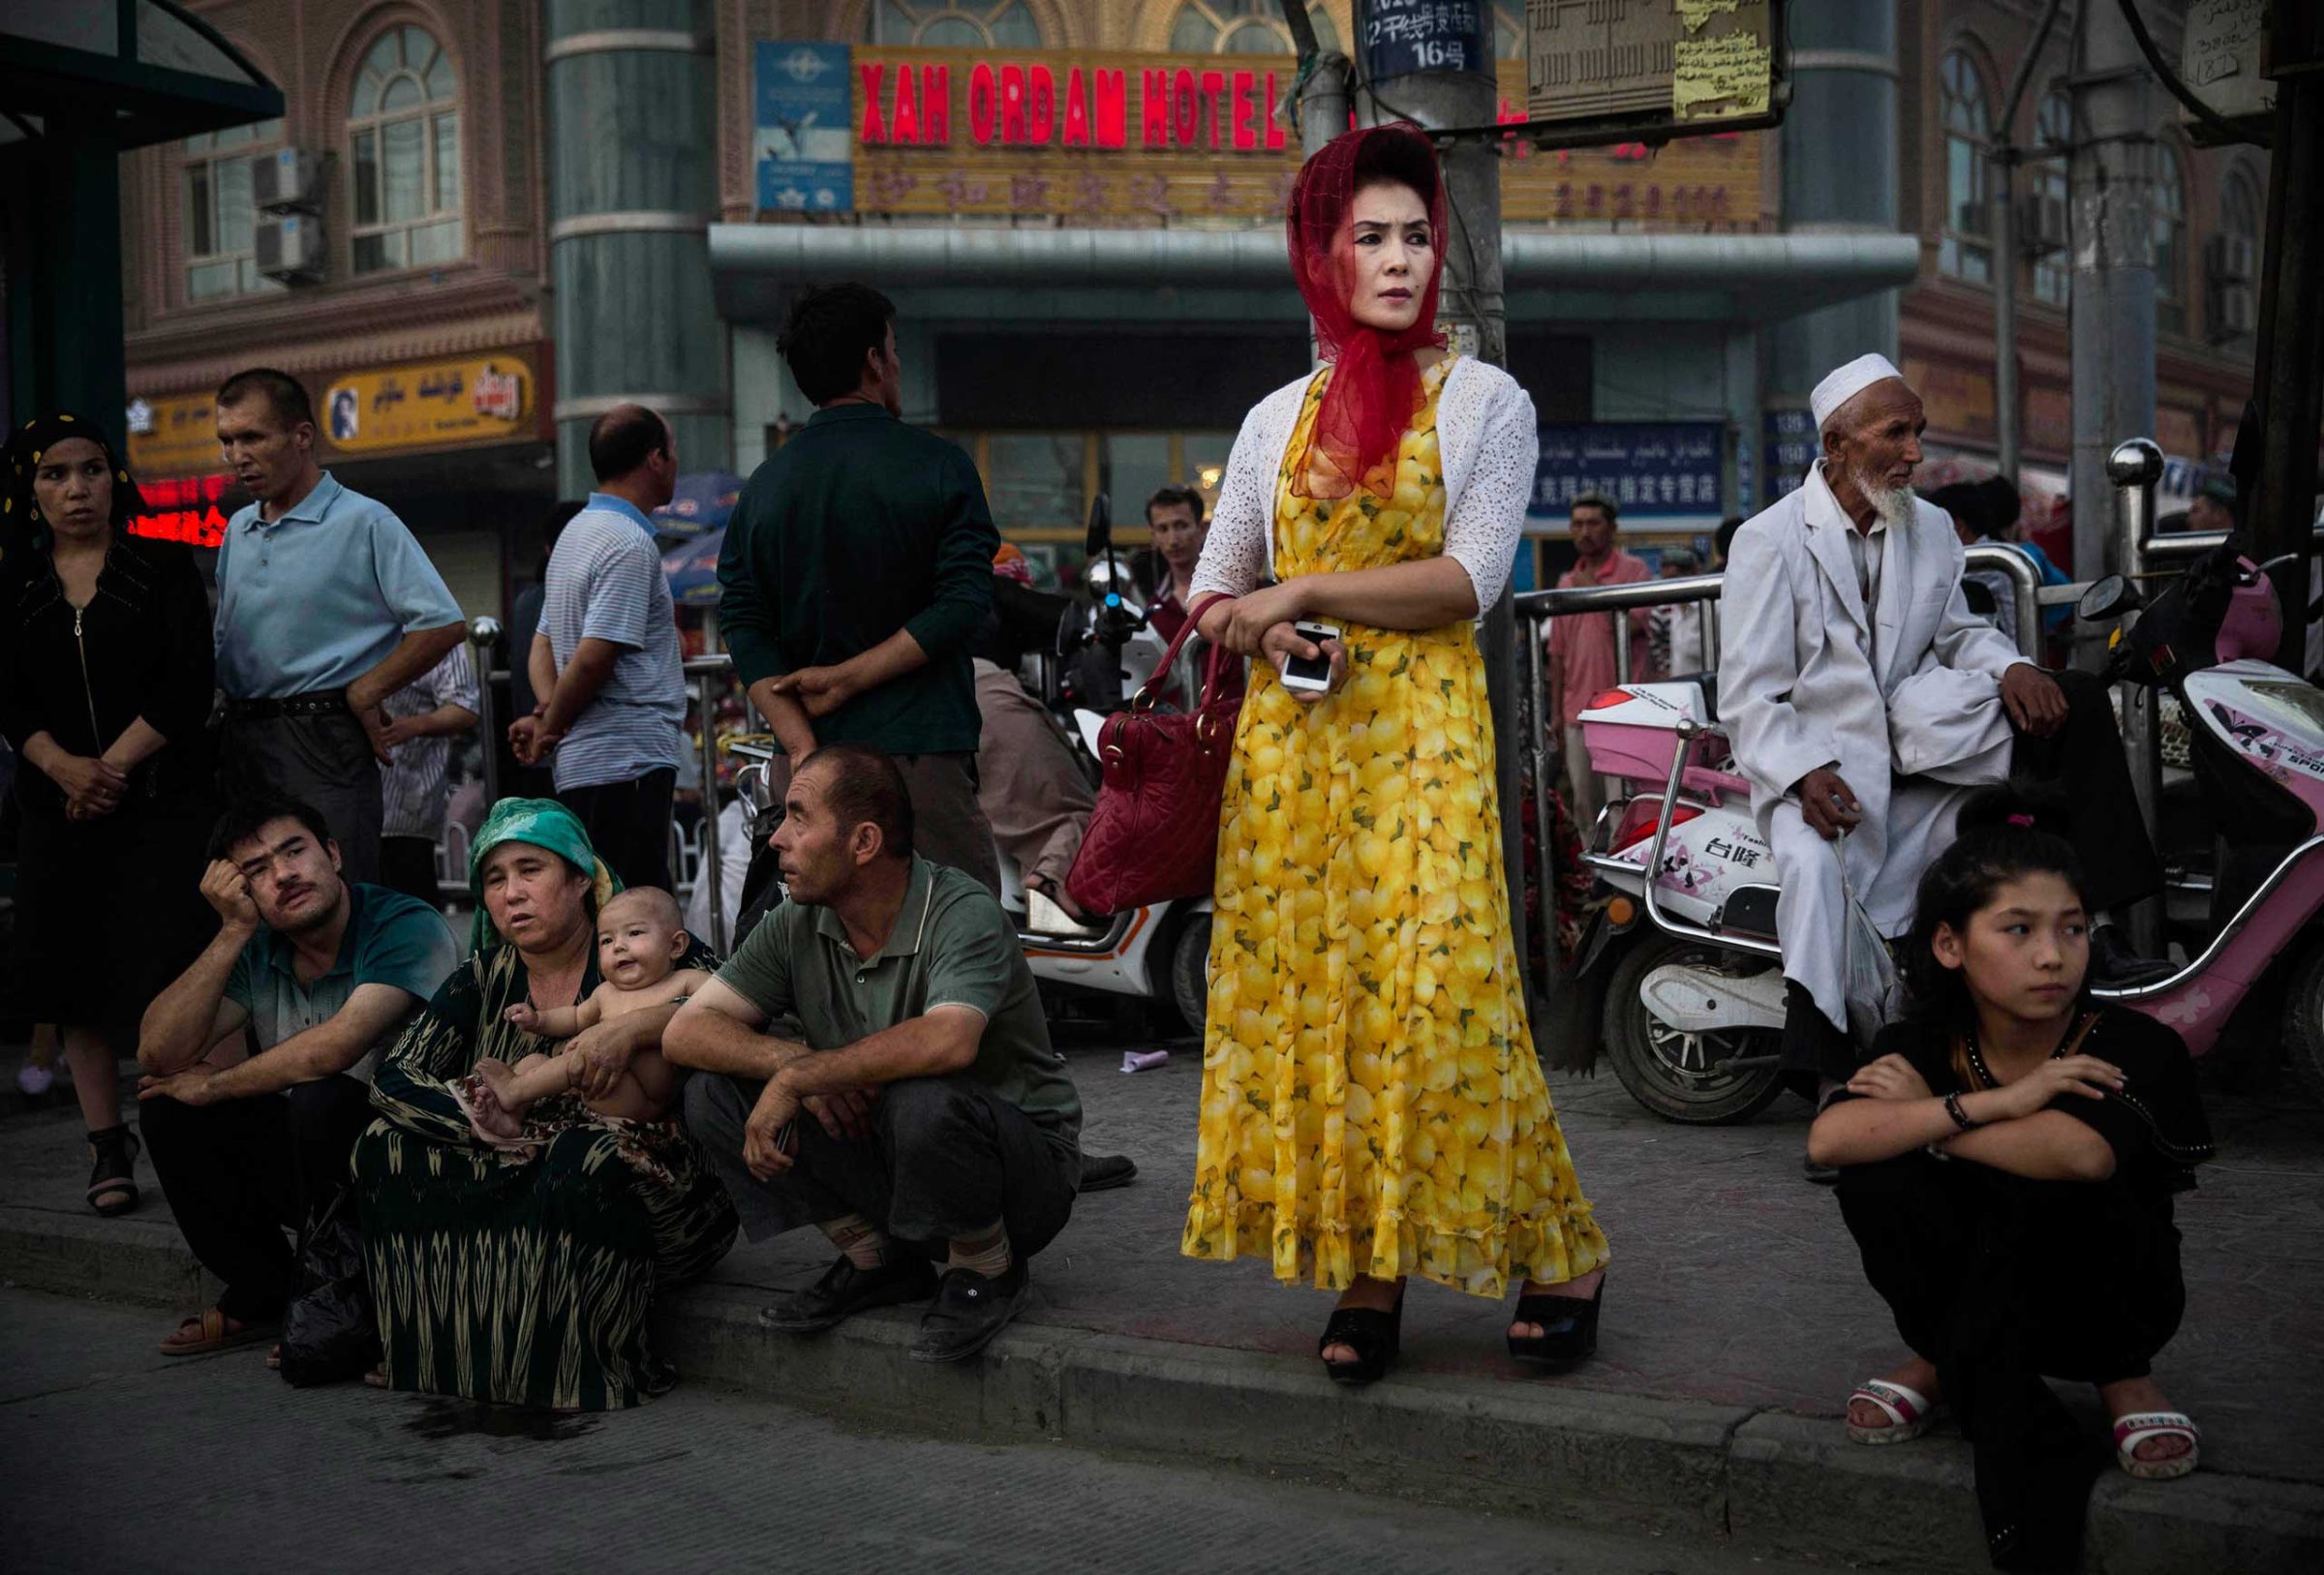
{"x": 1903, "y": 700}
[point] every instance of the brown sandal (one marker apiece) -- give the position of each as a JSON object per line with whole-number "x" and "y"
{"x": 211, "y": 1330}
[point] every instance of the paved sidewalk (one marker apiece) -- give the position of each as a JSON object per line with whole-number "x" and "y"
{"x": 1737, "y": 1321}
{"x": 350, "y": 1480}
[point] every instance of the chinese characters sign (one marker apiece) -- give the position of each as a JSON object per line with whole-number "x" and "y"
{"x": 800, "y": 144}
{"x": 1102, "y": 138}
{"x": 1401, "y": 37}
{"x": 1664, "y": 473}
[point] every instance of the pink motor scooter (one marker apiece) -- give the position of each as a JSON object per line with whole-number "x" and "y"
{"x": 1687, "y": 957}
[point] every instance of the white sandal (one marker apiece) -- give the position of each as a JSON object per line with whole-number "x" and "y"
{"x": 1910, "y": 1412}
{"x": 2129, "y": 1431}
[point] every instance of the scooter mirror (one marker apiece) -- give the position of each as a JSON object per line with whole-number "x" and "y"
{"x": 1100, "y": 539}
{"x": 2108, "y": 599}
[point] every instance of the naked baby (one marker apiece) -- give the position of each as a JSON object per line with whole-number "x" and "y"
{"x": 640, "y": 938}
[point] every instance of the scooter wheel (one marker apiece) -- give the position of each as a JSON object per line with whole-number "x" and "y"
{"x": 1190, "y": 971}
{"x": 1673, "y": 1072}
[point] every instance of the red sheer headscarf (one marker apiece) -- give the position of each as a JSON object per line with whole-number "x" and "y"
{"x": 1375, "y": 382}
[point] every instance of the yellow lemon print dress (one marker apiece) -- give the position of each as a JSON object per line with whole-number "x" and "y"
{"x": 1371, "y": 1102}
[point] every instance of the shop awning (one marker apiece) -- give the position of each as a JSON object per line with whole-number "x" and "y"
{"x": 149, "y": 71}
{"x": 1727, "y": 279}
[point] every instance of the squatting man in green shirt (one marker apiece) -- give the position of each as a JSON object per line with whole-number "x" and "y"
{"x": 918, "y": 1112}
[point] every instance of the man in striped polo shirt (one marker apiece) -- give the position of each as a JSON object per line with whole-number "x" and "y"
{"x": 605, "y": 660}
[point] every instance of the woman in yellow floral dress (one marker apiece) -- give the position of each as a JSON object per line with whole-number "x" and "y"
{"x": 1372, "y": 1107}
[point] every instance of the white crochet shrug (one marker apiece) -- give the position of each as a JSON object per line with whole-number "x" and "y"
{"x": 1486, "y": 438}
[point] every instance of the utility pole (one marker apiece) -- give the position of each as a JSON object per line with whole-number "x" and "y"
{"x": 2005, "y": 157}
{"x": 2287, "y": 380}
{"x": 2109, "y": 178}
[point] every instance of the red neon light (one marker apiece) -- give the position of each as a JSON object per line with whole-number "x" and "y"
{"x": 1077, "y": 119}
{"x": 873, "y": 128}
{"x": 1012, "y": 103}
{"x": 183, "y": 509}
{"x": 983, "y": 97}
{"x": 935, "y": 105}
{"x": 1040, "y": 105}
{"x": 1154, "y": 103}
{"x": 1274, "y": 126}
{"x": 905, "y": 125}
{"x": 1246, "y": 134}
{"x": 1112, "y": 108}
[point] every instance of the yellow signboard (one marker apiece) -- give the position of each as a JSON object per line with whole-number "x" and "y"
{"x": 1093, "y": 137}
{"x": 174, "y": 436}
{"x": 431, "y": 404}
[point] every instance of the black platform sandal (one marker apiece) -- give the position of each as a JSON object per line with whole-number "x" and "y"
{"x": 1568, "y": 1334}
{"x": 1374, "y": 1336}
{"x": 113, "y": 1179}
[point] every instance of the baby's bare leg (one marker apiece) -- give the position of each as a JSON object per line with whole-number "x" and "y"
{"x": 493, "y": 1116}
{"x": 534, "y": 1077}
{"x": 644, "y": 1092}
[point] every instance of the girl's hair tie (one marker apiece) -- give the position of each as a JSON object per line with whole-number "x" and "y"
{"x": 2025, "y": 821}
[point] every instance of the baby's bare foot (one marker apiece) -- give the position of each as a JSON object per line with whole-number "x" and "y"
{"x": 496, "y": 1116}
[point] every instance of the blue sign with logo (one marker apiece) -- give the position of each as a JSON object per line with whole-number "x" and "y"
{"x": 1665, "y": 474}
{"x": 802, "y": 142}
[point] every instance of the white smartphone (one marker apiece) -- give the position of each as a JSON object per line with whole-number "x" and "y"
{"x": 1312, "y": 675}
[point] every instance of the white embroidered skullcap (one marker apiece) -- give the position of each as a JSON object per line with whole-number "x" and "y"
{"x": 1846, "y": 383}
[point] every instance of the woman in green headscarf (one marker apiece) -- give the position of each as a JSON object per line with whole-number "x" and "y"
{"x": 525, "y": 1276}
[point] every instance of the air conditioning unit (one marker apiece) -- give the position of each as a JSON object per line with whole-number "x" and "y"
{"x": 2234, "y": 312}
{"x": 2041, "y": 225}
{"x": 286, "y": 178}
{"x": 289, "y": 247}
{"x": 2234, "y": 259}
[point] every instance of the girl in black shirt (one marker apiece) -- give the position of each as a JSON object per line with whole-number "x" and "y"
{"x": 2009, "y": 1155}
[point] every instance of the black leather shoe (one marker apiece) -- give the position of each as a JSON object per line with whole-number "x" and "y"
{"x": 1821, "y": 1175}
{"x": 845, "y": 1290}
{"x": 970, "y": 1309}
{"x": 1103, "y": 1173}
{"x": 1568, "y": 1334}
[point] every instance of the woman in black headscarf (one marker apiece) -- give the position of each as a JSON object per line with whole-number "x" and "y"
{"x": 104, "y": 695}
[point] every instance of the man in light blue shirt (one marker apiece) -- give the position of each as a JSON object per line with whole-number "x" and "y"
{"x": 326, "y": 606}
{"x": 605, "y": 662}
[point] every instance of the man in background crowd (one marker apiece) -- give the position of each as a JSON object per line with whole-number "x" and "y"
{"x": 326, "y": 606}
{"x": 522, "y": 781}
{"x": 857, "y": 569}
{"x": 1581, "y": 645}
{"x": 605, "y": 661}
{"x": 423, "y": 719}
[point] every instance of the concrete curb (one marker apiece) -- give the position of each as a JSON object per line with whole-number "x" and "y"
{"x": 1761, "y": 1481}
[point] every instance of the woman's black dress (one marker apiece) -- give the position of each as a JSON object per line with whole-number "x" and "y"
{"x": 108, "y": 910}
{"x": 2001, "y": 1280}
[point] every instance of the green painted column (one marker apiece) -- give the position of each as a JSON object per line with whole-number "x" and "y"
{"x": 632, "y": 129}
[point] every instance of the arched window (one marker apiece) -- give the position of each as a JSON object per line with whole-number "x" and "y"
{"x": 970, "y": 24}
{"x": 1508, "y": 32}
{"x": 1241, "y": 27}
{"x": 219, "y": 250}
{"x": 2170, "y": 241}
{"x": 403, "y": 133}
{"x": 1964, "y": 247}
{"x": 2054, "y": 131}
{"x": 2236, "y": 267}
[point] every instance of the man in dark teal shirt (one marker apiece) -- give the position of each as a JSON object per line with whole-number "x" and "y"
{"x": 857, "y": 567}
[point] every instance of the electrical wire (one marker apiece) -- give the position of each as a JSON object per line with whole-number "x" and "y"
{"x": 2178, "y": 89}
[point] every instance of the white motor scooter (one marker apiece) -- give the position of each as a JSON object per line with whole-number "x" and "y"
{"x": 1155, "y": 953}
{"x": 1685, "y": 944}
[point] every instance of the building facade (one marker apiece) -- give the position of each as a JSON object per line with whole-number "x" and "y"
{"x": 401, "y": 275}
{"x": 2206, "y": 207}
{"x": 1078, "y": 209}
{"x": 503, "y": 216}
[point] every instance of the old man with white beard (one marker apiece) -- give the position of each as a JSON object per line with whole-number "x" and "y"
{"x": 1864, "y": 700}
